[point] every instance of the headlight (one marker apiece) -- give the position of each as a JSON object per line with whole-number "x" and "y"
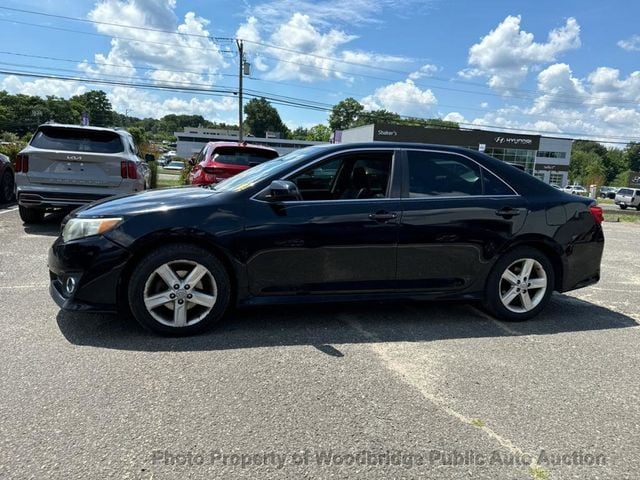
{"x": 85, "y": 227}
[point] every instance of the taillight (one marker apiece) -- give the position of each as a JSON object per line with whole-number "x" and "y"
{"x": 22, "y": 163}
{"x": 596, "y": 211}
{"x": 132, "y": 172}
{"x": 123, "y": 169}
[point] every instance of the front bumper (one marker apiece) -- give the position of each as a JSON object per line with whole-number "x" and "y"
{"x": 92, "y": 267}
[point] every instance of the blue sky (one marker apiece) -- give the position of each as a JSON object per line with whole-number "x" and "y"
{"x": 566, "y": 67}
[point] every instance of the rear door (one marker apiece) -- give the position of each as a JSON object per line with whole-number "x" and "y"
{"x": 82, "y": 157}
{"x": 455, "y": 216}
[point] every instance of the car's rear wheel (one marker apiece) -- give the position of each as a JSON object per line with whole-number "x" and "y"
{"x": 519, "y": 285}
{"x": 180, "y": 289}
{"x": 31, "y": 215}
{"x": 6, "y": 187}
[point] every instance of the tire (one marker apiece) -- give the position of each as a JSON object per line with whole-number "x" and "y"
{"x": 179, "y": 314}
{"x": 31, "y": 215}
{"x": 623, "y": 207}
{"x": 6, "y": 187}
{"x": 498, "y": 287}
{"x": 638, "y": 207}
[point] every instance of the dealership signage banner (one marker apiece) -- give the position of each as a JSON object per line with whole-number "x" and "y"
{"x": 464, "y": 138}
{"x": 634, "y": 180}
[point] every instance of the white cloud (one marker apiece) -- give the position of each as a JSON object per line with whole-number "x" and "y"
{"x": 42, "y": 87}
{"x": 631, "y": 44}
{"x": 427, "y": 70}
{"x": 508, "y": 53}
{"x": 560, "y": 88}
{"x": 312, "y": 52}
{"x": 186, "y": 55}
{"x": 454, "y": 117}
{"x": 404, "y": 98}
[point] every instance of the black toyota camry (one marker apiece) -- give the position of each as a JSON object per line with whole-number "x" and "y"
{"x": 328, "y": 223}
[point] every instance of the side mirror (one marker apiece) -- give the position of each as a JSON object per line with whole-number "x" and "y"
{"x": 282, "y": 190}
{"x": 149, "y": 157}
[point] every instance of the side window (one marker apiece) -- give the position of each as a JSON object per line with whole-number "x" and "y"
{"x": 347, "y": 177}
{"x": 439, "y": 174}
{"x": 493, "y": 185}
{"x": 200, "y": 155}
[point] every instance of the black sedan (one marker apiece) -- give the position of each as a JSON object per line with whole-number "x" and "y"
{"x": 331, "y": 223}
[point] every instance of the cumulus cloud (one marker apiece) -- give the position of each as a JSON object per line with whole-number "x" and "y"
{"x": 559, "y": 88}
{"x": 187, "y": 54}
{"x": 312, "y": 52}
{"x": 631, "y": 44}
{"x": 404, "y": 98}
{"x": 427, "y": 70}
{"x": 507, "y": 53}
{"x": 42, "y": 87}
{"x": 454, "y": 117}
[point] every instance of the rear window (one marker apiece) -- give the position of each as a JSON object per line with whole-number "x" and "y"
{"x": 244, "y": 156}
{"x": 625, "y": 191}
{"x": 73, "y": 140}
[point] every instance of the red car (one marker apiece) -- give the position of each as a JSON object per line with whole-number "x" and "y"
{"x": 220, "y": 160}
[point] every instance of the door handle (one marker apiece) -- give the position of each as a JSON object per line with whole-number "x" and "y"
{"x": 383, "y": 216}
{"x": 508, "y": 212}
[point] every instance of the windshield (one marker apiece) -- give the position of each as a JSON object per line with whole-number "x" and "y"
{"x": 256, "y": 174}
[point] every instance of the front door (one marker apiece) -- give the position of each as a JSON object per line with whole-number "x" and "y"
{"x": 340, "y": 237}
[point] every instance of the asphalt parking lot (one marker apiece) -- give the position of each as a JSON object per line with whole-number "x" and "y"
{"x": 396, "y": 390}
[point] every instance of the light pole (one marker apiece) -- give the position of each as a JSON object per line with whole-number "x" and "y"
{"x": 244, "y": 68}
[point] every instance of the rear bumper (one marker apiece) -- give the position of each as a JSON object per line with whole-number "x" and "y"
{"x": 56, "y": 199}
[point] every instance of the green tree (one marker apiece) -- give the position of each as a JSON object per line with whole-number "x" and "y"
{"x": 261, "y": 117}
{"x": 614, "y": 163}
{"x": 300, "y": 133}
{"x": 96, "y": 104}
{"x": 319, "y": 133}
{"x": 139, "y": 135}
{"x": 376, "y": 116}
{"x": 344, "y": 114}
{"x": 586, "y": 167}
{"x": 632, "y": 156}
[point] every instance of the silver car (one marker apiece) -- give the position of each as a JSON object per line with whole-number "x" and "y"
{"x": 65, "y": 166}
{"x": 628, "y": 197}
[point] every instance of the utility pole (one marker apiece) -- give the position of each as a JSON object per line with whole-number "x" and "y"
{"x": 240, "y": 74}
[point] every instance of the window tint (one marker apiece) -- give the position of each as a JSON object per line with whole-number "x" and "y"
{"x": 244, "y": 156}
{"x": 77, "y": 140}
{"x": 347, "y": 177}
{"x": 434, "y": 174}
{"x": 625, "y": 191}
{"x": 493, "y": 185}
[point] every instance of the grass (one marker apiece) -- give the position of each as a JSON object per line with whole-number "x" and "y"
{"x": 621, "y": 216}
{"x": 538, "y": 473}
{"x": 173, "y": 182}
{"x": 476, "y": 422}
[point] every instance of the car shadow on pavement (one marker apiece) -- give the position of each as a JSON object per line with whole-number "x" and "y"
{"x": 7, "y": 206}
{"x": 50, "y": 226}
{"x": 322, "y": 326}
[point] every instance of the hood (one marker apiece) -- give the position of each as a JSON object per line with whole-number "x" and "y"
{"x": 147, "y": 202}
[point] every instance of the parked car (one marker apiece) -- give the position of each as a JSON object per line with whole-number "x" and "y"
{"x": 218, "y": 161}
{"x": 328, "y": 223}
{"x": 628, "y": 197}
{"x": 608, "y": 192}
{"x": 65, "y": 166}
{"x": 575, "y": 189}
{"x": 7, "y": 182}
{"x": 174, "y": 165}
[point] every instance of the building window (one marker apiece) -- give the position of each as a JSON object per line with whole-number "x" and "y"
{"x": 556, "y": 179}
{"x": 539, "y": 175}
{"x": 525, "y": 158}
{"x": 542, "y": 154}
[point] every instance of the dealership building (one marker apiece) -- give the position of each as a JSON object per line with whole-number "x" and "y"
{"x": 544, "y": 157}
{"x": 191, "y": 140}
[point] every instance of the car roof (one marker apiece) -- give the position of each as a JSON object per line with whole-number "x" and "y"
{"x": 119, "y": 131}
{"x": 240, "y": 145}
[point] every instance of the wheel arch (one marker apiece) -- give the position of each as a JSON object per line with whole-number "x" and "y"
{"x": 550, "y": 248}
{"x": 156, "y": 240}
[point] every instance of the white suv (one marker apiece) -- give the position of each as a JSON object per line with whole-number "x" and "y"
{"x": 65, "y": 166}
{"x": 628, "y": 197}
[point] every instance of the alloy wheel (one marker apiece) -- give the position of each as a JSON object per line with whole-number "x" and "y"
{"x": 523, "y": 285}
{"x": 180, "y": 293}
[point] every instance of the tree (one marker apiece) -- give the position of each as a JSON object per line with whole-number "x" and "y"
{"x": 344, "y": 114}
{"x": 300, "y": 133}
{"x": 586, "y": 167}
{"x": 632, "y": 156}
{"x": 139, "y": 135}
{"x": 614, "y": 164}
{"x": 261, "y": 117}
{"x": 96, "y": 104}
{"x": 319, "y": 133}
{"x": 376, "y": 116}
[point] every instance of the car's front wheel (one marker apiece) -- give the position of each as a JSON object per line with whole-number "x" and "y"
{"x": 519, "y": 285}
{"x": 179, "y": 289}
{"x": 623, "y": 207}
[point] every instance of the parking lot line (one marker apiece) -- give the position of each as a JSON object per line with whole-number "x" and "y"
{"x": 9, "y": 210}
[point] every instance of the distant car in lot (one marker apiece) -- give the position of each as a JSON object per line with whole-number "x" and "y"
{"x": 575, "y": 189}
{"x": 329, "y": 223}
{"x": 7, "y": 179}
{"x": 174, "y": 165}
{"x": 65, "y": 166}
{"x": 218, "y": 161}
{"x": 628, "y": 197}
{"x": 608, "y": 192}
